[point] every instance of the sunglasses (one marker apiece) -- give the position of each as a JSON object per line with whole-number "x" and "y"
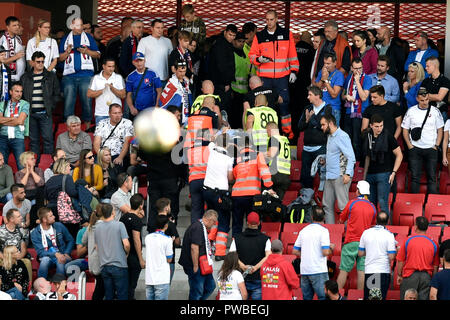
{"x": 39, "y": 61}
{"x": 90, "y": 157}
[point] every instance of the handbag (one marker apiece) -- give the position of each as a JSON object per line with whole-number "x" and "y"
{"x": 205, "y": 267}
{"x": 66, "y": 212}
{"x": 416, "y": 132}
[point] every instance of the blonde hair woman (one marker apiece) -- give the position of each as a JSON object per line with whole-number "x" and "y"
{"x": 30, "y": 176}
{"x": 110, "y": 173}
{"x": 14, "y": 274}
{"x": 416, "y": 74}
{"x": 44, "y": 43}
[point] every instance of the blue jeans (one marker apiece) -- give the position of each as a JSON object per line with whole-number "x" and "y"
{"x": 337, "y": 114}
{"x": 16, "y": 146}
{"x": 100, "y": 118}
{"x": 115, "y": 280}
{"x": 254, "y": 289}
{"x": 282, "y": 84}
{"x": 307, "y": 160}
{"x": 41, "y": 126}
{"x": 198, "y": 203}
{"x": 46, "y": 263}
{"x": 200, "y": 287}
{"x": 157, "y": 292}
{"x": 73, "y": 85}
{"x": 15, "y": 294}
{"x": 379, "y": 189}
{"x": 314, "y": 283}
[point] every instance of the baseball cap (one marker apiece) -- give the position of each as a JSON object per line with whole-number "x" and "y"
{"x": 253, "y": 218}
{"x": 240, "y": 36}
{"x": 277, "y": 245}
{"x": 138, "y": 55}
{"x": 363, "y": 187}
{"x": 180, "y": 63}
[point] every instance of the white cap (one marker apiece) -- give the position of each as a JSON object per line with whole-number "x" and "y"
{"x": 363, "y": 187}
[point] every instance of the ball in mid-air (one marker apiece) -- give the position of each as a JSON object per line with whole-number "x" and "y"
{"x": 157, "y": 130}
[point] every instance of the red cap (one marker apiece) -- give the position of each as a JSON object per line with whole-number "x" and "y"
{"x": 253, "y": 218}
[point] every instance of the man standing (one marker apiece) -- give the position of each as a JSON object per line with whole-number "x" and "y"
{"x": 417, "y": 261}
{"x": 156, "y": 48}
{"x": 377, "y": 244}
{"x": 360, "y": 214}
{"x": 390, "y": 84}
{"x": 273, "y": 52}
{"x": 113, "y": 247}
{"x": 5, "y": 72}
{"x": 422, "y": 131}
{"x": 390, "y": 112}
{"x": 340, "y": 160}
{"x": 97, "y": 33}
{"x": 313, "y": 247}
{"x": 253, "y": 248}
{"x": 143, "y": 87}
{"x": 382, "y": 158}
{"x": 196, "y": 257}
{"x": 331, "y": 80}
{"x": 14, "y": 124}
{"x": 106, "y": 88}
{"x": 221, "y": 65}
{"x": 73, "y": 140}
{"x": 41, "y": 90}
{"x": 249, "y": 30}
{"x": 181, "y": 52}
{"x": 120, "y": 200}
{"x": 422, "y": 53}
{"x": 133, "y": 223}
{"x": 193, "y": 24}
{"x": 278, "y": 276}
{"x": 129, "y": 48}
{"x": 15, "y": 57}
{"x": 440, "y": 289}
{"x": 314, "y": 139}
{"x": 77, "y": 50}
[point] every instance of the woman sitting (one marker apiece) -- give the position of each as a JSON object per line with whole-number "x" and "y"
{"x": 31, "y": 177}
{"x": 89, "y": 171}
{"x": 57, "y": 154}
{"x": 14, "y": 274}
{"x": 110, "y": 173}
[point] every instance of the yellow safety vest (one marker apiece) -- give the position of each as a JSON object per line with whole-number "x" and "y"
{"x": 263, "y": 115}
{"x": 284, "y": 155}
{"x": 242, "y": 65}
{"x": 253, "y": 68}
{"x": 197, "y": 105}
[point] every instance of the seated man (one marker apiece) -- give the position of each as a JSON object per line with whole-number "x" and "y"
{"x": 22, "y": 204}
{"x": 73, "y": 140}
{"x": 53, "y": 243}
{"x": 43, "y": 288}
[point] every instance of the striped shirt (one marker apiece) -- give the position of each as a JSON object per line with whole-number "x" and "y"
{"x": 37, "y": 101}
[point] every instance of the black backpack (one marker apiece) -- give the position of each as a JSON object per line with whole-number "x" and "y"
{"x": 298, "y": 213}
{"x": 268, "y": 206}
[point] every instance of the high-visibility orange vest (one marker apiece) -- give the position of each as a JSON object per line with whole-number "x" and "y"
{"x": 280, "y": 47}
{"x": 198, "y": 156}
{"x": 250, "y": 168}
{"x": 196, "y": 122}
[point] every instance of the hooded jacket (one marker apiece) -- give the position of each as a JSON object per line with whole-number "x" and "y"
{"x": 278, "y": 278}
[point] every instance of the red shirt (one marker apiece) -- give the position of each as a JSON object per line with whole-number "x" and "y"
{"x": 420, "y": 253}
{"x": 361, "y": 214}
{"x": 278, "y": 278}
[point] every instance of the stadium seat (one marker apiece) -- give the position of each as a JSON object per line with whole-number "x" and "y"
{"x": 390, "y": 200}
{"x": 90, "y": 287}
{"x": 296, "y": 166}
{"x": 444, "y": 185}
{"x": 400, "y": 176}
{"x": 271, "y": 226}
{"x": 445, "y": 234}
{"x": 412, "y": 197}
{"x": 293, "y": 227}
{"x": 437, "y": 207}
{"x": 335, "y": 228}
{"x": 432, "y": 232}
{"x": 300, "y": 146}
{"x": 357, "y": 176}
{"x": 12, "y": 163}
{"x": 45, "y": 161}
{"x": 336, "y": 238}
{"x": 289, "y": 257}
{"x": 398, "y": 230}
{"x": 289, "y": 196}
{"x": 288, "y": 240}
{"x": 393, "y": 295}
{"x": 355, "y": 294}
{"x": 271, "y": 234}
{"x": 406, "y": 208}
{"x": 337, "y": 260}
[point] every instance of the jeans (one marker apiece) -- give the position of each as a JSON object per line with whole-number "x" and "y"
{"x": 158, "y": 292}
{"x": 41, "y": 125}
{"x": 337, "y": 114}
{"x": 427, "y": 157}
{"x": 46, "y": 263}
{"x": 353, "y": 128}
{"x": 379, "y": 189}
{"x": 242, "y": 206}
{"x": 198, "y": 203}
{"x": 200, "y": 287}
{"x": 73, "y": 85}
{"x": 282, "y": 84}
{"x": 16, "y": 146}
{"x": 314, "y": 283}
{"x": 15, "y": 293}
{"x": 115, "y": 280}
{"x": 254, "y": 289}
{"x": 212, "y": 200}
{"x": 307, "y": 160}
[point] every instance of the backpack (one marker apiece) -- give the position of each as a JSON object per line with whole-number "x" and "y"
{"x": 298, "y": 213}
{"x": 64, "y": 206}
{"x": 268, "y": 206}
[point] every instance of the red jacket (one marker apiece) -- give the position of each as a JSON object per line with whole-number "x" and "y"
{"x": 278, "y": 278}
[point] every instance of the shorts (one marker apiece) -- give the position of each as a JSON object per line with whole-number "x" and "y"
{"x": 349, "y": 255}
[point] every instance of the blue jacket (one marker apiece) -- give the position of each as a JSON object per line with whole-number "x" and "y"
{"x": 64, "y": 241}
{"x": 412, "y": 57}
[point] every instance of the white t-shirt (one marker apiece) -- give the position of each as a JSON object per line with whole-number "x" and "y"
{"x": 414, "y": 118}
{"x": 20, "y": 63}
{"x": 156, "y": 52}
{"x": 107, "y": 98}
{"x": 447, "y": 128}
{"x": 219, "y": 164}
{"x": 158, "y": 248}
{"x": 311, "y": 241}
{"x": 267, "y": 248}
{"x": 377, "y": 242}
{"x": 229, "y": 290}
{"x": 49, "y": 47}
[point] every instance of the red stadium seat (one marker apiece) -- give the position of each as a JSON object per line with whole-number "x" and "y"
{"x": 289, "y": 196}
{"x": 357, "y": 176}
{"x": 90, "y": 287}
{"x": 288, "y": 240}
{"x": 336, "y": 238}
{"x": 393, "y": 295}
{"x": 437, "y": 207}
{"x": 406, "y": 208}
{"x": 12, "y": 163}
{"x": 271, "y": 226}
{"x": 444, "y": 185}
{"x": 335, "y": 228}
{"x": 412, "y": 197}
{"x": 432, "y": 232}
{"x": 45, "y": 161}
{"x": 296, "y": 167}
{"x": 300, "y": 146}
{"x": 398, "y": 230}
{"x": 401, "y": 177}
{"x": 352, "y": 279}
{"x": 445, "y": 234}
{"x": 293, "y": 227}
{"x": 355, "y": 294}
{"x": 271, "y": 234}
{"x": 290, "y": 257}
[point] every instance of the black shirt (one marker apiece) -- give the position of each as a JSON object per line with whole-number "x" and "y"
{"x": 388, "y": 111}
{"x": 443, "y": 247}
{"x": 194, "y": 235}
{"x": 160, "y": 166}
{"x": 270, "y": 93}
{"x": 208, "y": 112}
{"x": 433, "y": 86}
{"x": 389, "y": 158}
{"x": 132, "y": 223}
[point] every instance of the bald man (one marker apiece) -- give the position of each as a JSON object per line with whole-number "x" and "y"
{"x": 208, "y": 91}
{"x": 392, "y": 48}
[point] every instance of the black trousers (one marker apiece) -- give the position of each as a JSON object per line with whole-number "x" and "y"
{"x": 134, "y": 270}
{"x": 165, "y": 188}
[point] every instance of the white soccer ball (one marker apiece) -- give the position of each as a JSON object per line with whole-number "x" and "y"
{"x": 157, "y": 130}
